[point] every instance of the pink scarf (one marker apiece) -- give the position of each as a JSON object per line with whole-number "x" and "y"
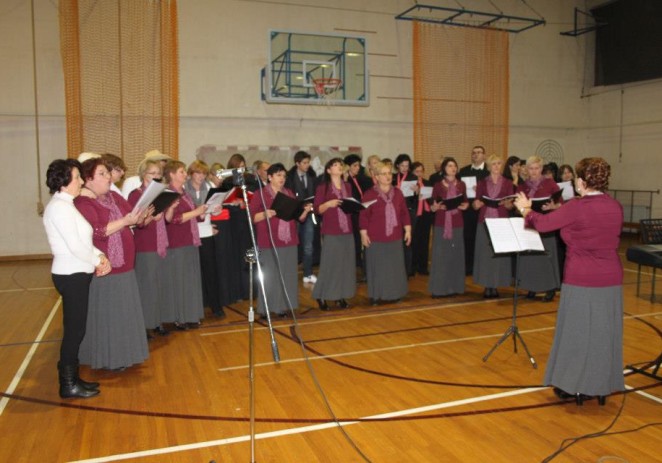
{"x": 448, "y": 215}
{"x": 391, "y": 221}
{"x": 284, "y": 233}
{"x": 115, "y": 247}
{"x": 422, "y": 203}
{"x": 493, "y": 190}
{"x": 341, "y": 193}
{"x": 195, "y": 233}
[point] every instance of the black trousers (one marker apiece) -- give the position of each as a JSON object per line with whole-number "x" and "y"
{"x": 75, "y": 292}
{"x": 210, "y": 283}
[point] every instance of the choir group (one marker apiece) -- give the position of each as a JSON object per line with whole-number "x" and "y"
{"x": 158, "y": 269}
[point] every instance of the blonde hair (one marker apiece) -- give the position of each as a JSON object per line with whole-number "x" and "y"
{"x": 144, "y": 165}
{"x": 198, "y": 166}
{"x": 492, "y": 158}
{"x": 534, "y": 160}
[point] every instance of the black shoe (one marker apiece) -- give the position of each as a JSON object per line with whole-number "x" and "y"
{"x": 495, "y": 293}
{"x": 580, "y": 398}
{"x": 549, "y": 296}
{"x": 602, "y": 400}
{"x": 322, "y": 304}
{"x": 282, "y": 315}
{"x": 374, "y": 301}
{"x": 181, "y": 326}
{"x": 149, "y": 335}
{"x": 488, "y": 293}
{"x": 161, "y": 331}
{"x": 423, "y": 272}
{"x": 561, "y": 394}
{"x": 342, "y": 303}
{"x": 220, "y": 313}
{"x": 70, "y": 385}
{"x": 193, "y": 325}
{"x": 531, "y": 295}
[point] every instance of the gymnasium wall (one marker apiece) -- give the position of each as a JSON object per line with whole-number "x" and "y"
{"x": 223, "y": 46}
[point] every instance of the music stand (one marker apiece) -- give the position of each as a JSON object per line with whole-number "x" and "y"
{"x": 508, "y": 236}
{"x": 513, "y": 329}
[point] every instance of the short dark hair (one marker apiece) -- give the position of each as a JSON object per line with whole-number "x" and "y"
{"x": 113, "y": 161}
{"x": 58, "y": 174}
{"x": 402, "y": 158}
{"x": 88, "y": 168}
{"x": 351, "y": 159}
{"x": 300, "y": 156}
{"x": 275, "y": 168}
{"x": 445, "y": 162}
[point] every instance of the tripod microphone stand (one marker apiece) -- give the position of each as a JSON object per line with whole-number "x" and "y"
{"x": 252, "y": 258}
{"x": 512, "y": 329}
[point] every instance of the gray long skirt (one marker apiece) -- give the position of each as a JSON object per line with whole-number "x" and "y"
{"x": 115, "y": 333}
{"x": 337, "y": 273}
{"x": 448, "y": 266}
{"x": 151, "y": 276}
{"x": 540, "y": 272}
{"x": 490, "y": 270}
{"x": 274, "y": 291}
{"x": 587, "y": 354}
{"x": 185, "y": 284}
{"x": 386, "y": 273}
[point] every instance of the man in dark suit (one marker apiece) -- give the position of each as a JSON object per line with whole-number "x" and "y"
{"x": 437, "y": 176}
{"x": 479, "y": 170}
{"x": 301, "y": 179}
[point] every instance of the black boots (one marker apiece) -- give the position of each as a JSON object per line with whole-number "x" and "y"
{"x": 72, "y": 386}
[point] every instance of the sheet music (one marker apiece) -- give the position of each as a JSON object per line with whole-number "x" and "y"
{"x": 425, "y": 193}
{"x": 568, "y": 191}
{"x": 509, "y": 235}
{"x": 216, "y": 200}
{"x": 407, "y": 187}
{"x": 470, "y": 182}
{"x": 149, "y": 195}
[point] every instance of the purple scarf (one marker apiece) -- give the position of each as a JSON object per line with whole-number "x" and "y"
{"x": 341, "y": 193}
{"x": 533, "y": 186}
{"x": 284, "y": 233}
{"x": 194, "y": 225}
{"x": 493, "y": 190}
{"x": 115, "y": 247}
{"x": 161, "y": 234}
{"x": 391, "y": 221}
{"x": 448, "y": 215}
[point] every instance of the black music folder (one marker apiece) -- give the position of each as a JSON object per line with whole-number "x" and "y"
{"x": 537, "y": 203}
{"x": 288, "y": 208}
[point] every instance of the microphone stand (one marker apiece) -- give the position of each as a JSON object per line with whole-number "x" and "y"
{"x": 252, "y": 258}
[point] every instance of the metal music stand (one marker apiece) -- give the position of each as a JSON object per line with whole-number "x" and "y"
{"x": 513, "y": 329}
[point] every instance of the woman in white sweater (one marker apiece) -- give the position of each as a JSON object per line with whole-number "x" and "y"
{"x": 75, "y": 259}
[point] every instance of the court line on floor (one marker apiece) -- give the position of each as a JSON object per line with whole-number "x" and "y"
{"x": 331, "y": 319}
{"x": 28, "y": 357}
{"x": 16, "y": 290}
{"x": 305, "y": 429}
{"x": 407, "y": 346}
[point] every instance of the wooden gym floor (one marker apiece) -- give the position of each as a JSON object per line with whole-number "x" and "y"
{"x": 406, "y": 381}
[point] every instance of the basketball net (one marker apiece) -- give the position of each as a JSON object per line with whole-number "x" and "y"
{"x": 326, "y": 88}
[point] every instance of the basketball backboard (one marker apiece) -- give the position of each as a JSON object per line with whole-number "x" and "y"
{"x": 298, "y": 60}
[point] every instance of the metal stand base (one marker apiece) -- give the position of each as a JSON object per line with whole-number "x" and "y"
{"x": 512, "y": 329}
{"x": 644, "y": 371}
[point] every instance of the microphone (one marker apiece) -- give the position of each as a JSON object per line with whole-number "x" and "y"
{"x": 225, "y": 173}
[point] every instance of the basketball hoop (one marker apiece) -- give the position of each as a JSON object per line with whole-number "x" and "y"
{"x": 325, "y": 87}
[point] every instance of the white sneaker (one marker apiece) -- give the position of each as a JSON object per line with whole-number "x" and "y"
{"x": 310, "y": 279}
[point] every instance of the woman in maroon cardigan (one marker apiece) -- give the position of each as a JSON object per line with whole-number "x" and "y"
{"x": 336, "y": 280}
{"x": 285, "y": 239}
{"x": 587, "y": 354}
{"x": 540, "y": 272}
{"x": 115, "y": 336}
{"x": 447, "y": 270}
{"x": 384, "y": 225}
{"x": 151, "y": 250}
{"x": 492, "y": 270}
{"x": 183, "y": 259}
